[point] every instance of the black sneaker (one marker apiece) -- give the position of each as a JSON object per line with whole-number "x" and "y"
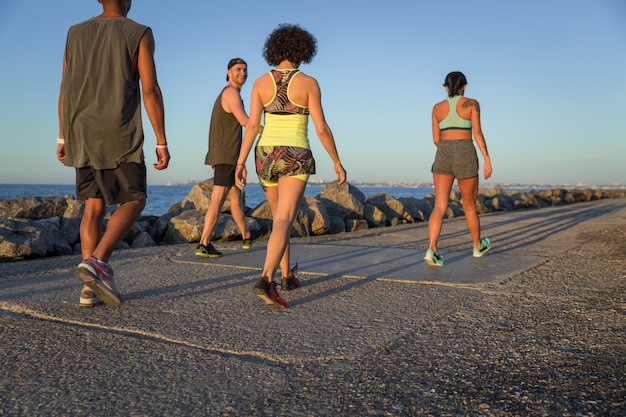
{"x": 290, "y": 282}
{"x": 268, "y": 293}
{"x": 254, "y": 236}
{"x": 207, "y": 251}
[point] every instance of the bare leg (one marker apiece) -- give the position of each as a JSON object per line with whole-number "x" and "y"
{"x": 236, "y": 209}
{"x": 284, "y": 201}
{"x": 91, "y": 226}
{"x": 443, "y": 186}
{"x": 218, "y": 196}
{"x": 469, "y": 192}
{"x": 117, "y": 228}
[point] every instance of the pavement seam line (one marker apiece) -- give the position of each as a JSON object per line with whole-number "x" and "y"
{"x": 17, "y": 309}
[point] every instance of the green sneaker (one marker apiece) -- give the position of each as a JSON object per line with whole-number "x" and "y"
{"x": 433, "y": 258}
{"x": 485, "y": 245}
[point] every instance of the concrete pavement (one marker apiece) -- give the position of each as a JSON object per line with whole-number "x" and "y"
{"x": 192, "y": 339}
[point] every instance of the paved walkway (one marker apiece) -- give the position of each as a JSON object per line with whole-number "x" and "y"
{"x": 192, "y": 339}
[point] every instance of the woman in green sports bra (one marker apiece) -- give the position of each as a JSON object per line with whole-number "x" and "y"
{"x": 454, "y": 122}
{"x": 287, "y": 98}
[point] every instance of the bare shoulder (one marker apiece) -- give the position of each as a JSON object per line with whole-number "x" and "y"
{"x": 305, "y": 79}
{"x": 440, "y": 110}
{"x": 230, "y": 91}
{"x": 470, "y": 103}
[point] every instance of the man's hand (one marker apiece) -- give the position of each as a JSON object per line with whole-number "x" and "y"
{"x": 163, "y": 159}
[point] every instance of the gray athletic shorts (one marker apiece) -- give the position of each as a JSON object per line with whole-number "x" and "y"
{"x": 457, "y": 158}
{"x": 125, "y": 183}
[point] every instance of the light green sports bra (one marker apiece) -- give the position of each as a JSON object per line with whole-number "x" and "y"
{"x": 453, "y": 121}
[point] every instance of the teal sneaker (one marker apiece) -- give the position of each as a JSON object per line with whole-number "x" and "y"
{"x": 485, "y": 245}
{"x": 433, "y": 258}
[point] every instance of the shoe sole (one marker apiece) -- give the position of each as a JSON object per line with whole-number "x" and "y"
{"x": 263, "y": 295}
{"x": 431, "y": 262}
{"x": 103, "y": 293}
{"x": 480, "y": 254}
{"x": 90, "y": 304}
{"x": 203, "y": 255}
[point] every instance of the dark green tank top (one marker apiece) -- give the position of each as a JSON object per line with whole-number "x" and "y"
{"x": 101, "y": 96}
{"x": 224, "y": 136}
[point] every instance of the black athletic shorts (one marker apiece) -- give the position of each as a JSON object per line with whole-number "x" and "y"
{"x": 125, "y": 183}
{"x": 224, "y": 175}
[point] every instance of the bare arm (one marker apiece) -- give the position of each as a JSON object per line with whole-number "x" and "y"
{"x": 480, "y": 139}
{"x": 231, "y": 103}
{"x": 152, "y": 97}
{"x": 321, "y": 127}
{"x": 435, "y": 125}
{"x": 253, "y": 127}
{"x": 61, "y": 146}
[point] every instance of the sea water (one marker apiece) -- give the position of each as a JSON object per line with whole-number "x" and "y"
{"x": 162, "y": 197}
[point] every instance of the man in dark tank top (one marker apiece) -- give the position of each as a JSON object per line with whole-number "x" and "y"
{"x": 106, "y": 60}
{"x": 225, "y": 132}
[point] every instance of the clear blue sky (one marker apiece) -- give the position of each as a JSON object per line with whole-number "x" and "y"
{"x": 549, "y": 76}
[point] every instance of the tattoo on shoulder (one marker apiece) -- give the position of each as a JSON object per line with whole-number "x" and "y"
{"x": 471, "y": 103}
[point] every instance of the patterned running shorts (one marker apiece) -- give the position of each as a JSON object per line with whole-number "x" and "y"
{"x": 274, "y": 162}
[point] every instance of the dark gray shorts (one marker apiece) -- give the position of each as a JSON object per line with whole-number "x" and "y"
{"x": 125, "y": 183}
{"x": 457, "y": 158}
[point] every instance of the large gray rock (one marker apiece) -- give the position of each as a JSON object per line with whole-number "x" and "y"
{"x": 413, "y": 207}
{"x": 26, "y": 238}
{"x": 374, "y": 216}
{"x": 34, "y": 207}
{"x": 345, "y": 200}
{"x": 70, "y": 221}
{"x": 392, "y": 207}
{"x": 319, "y": 222}
{"x": 187, "y": 227}
{"x": 199, "y": 198}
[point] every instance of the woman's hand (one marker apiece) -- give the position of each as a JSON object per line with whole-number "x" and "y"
{"x": 341, "y": 173}
{"x": 487, "y": 169}
{"x": 241, "y": 174}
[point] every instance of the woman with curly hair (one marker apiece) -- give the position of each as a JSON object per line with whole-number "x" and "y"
{"x": 286, "y": 97}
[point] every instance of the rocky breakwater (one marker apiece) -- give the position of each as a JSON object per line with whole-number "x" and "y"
{"x": 32, "y": 227}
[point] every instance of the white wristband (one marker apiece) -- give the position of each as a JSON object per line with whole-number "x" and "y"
{"x": 60, "y": 141}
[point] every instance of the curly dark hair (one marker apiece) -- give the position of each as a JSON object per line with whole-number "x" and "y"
{"x": 289, "y": 42}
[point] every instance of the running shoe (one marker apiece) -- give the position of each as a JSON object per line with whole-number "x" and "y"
{"x": 485, "y": 245}
{"x": 98, "y": 276}
{"x": 268, "y": 293}
{"x": 254, "y": 236}
{"x": 290, "y": 282}
{"x": 88, "y": 298}
{"x": 207, "y": 251}
{"x": 433, "y": 258}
